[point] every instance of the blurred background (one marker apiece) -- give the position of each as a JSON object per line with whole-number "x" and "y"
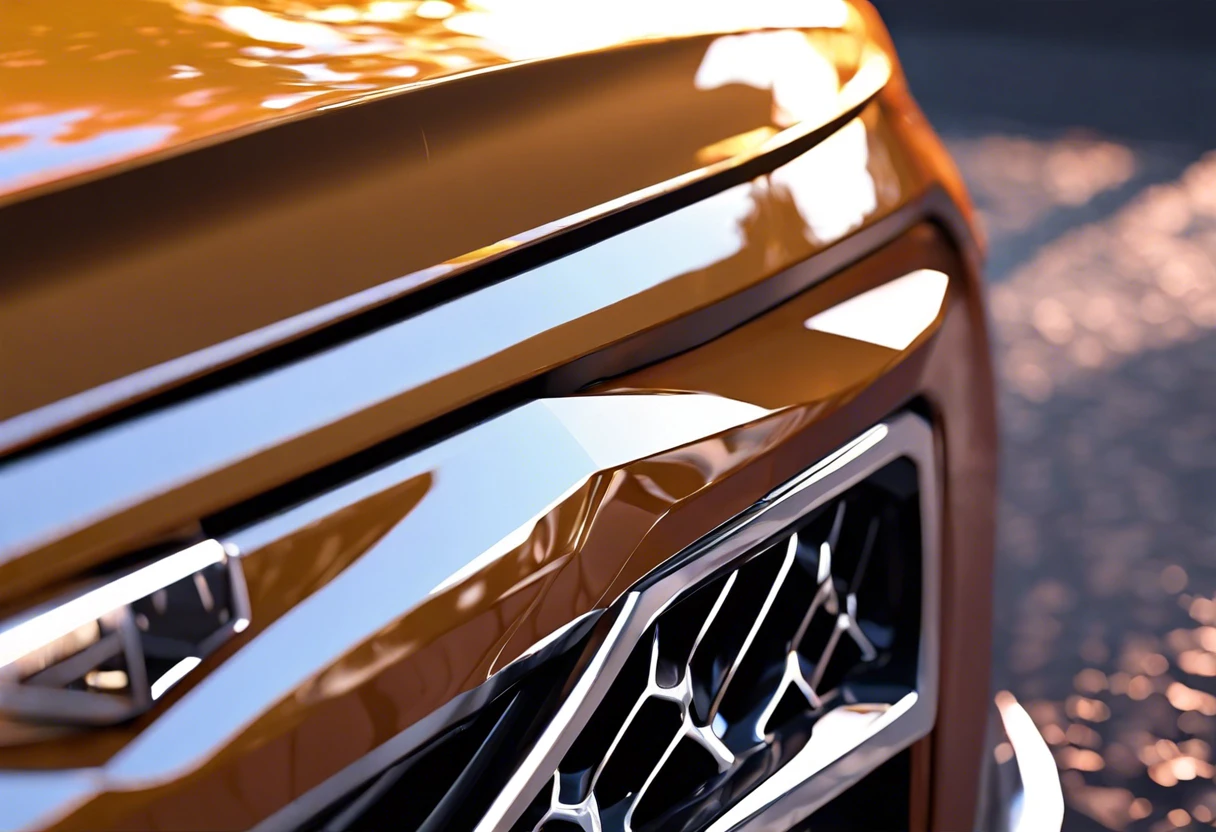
{"x": 1087, "y": 133}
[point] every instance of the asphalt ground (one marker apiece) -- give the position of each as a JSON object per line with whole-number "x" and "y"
{"x": 1085, "y": 132}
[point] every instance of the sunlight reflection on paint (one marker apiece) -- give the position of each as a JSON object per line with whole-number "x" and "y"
{"x": 45, "y": 151}
{"x": 804, "y": 82}
{"x": 248, "y": 55}
{"x": 524, "y": 29}
{"x": 843, "y": 193}
{"x": 892, "y": 315}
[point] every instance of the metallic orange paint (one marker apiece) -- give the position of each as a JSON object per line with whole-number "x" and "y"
{"x": 93, "y": 86}
{"x": 203, "y": 257}
{"x": 775, "y": 233}
{"x": 596, "y": 543}
{"x": 323, "y": 203}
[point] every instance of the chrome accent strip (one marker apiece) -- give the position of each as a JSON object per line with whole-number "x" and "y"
{"x": 1019, "y": 785}
{"x": 231, "y": 425}
{"x": 1037, "y": 801}
{"x": 823, "y": 768}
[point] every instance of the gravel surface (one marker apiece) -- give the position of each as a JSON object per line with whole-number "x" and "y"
{"x": 1091, "y": 169}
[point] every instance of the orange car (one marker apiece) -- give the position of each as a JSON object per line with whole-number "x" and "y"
{"x": 513, "y": 414}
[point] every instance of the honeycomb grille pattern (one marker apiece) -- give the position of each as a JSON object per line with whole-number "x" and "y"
{"x": 808, "y": 639}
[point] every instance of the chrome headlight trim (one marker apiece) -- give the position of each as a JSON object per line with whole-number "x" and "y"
{"x": 45, "y": 653}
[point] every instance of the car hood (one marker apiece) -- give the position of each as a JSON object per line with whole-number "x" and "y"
{"x": 185, "y": 184}
{"x": 90, "y": 87}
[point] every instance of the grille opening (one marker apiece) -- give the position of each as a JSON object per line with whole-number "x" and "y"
{"x": 591, "y": 747}
{"x": 792, "y": 705}
{"x": 883, "y": 798}
{"x": 678, "y": 632}
{"x": 845, "y": 657}
{"x": 722, "y": 645}
{"x": 764, "y": 662}
{"x": 732, "y": 680}
{"x": 649, "y": 733}
{"x": 685, "y": 772}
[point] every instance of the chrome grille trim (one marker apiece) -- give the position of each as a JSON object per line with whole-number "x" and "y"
{"x": 823, "y": 768}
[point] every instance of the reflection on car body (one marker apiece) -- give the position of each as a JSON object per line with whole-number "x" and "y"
{"x": 586, "y": 424}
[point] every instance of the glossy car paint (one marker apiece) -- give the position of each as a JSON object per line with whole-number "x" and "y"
{"x": 98, "y": 87}
{"x": 407, "y": 373}
{"x": 871, "y": 177}
{"x": 463, "y": 170}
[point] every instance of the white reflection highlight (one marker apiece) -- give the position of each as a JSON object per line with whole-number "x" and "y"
{"x": 614, "y": 430}
{"x": 512, "y": 541}
{"x": 435, "y": 9}
{"x": 174, "y": 675}
{"x": 832, "y": 185}
{"x": 1042, "y": 805}
{"x": 282, "y": 102}
{"x": 833, "y": 463}
{"x": 527, "y": 29}
{"x": 60, "y": 621}
{"x": 804, "y": 82}
{"x": 892, "y": 315}
{"x": 268, "y": 28}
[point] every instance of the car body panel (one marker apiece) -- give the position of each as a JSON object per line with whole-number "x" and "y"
{"x": 596, "y": 541}
{"x": 91, "y": 88}
{"x": 370, "y": 388}
{"x": 208, "y": 256}
{"x": 278, "y": 340}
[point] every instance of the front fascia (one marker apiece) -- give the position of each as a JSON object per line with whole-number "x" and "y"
{"x": 562, "y": 555}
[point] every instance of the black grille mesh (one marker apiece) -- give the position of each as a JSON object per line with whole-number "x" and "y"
{"x": 449, "y": 783}
{"x": 729, "y": 682}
